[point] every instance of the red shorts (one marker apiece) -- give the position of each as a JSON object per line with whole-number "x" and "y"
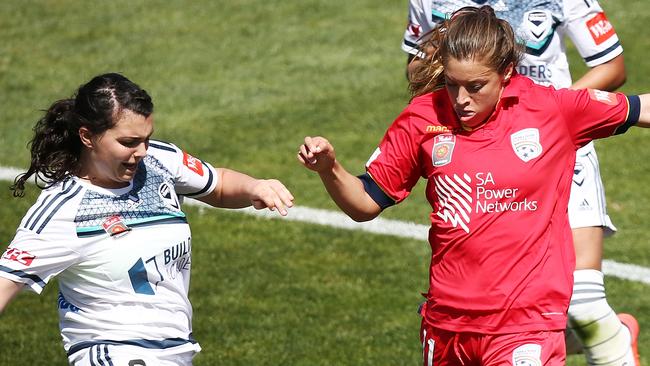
{"x": 445, "y": 348}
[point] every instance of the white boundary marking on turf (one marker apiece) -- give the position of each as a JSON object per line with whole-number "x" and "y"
{"x": 381, "y": 226}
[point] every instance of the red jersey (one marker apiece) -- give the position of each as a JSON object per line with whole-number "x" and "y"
{"x": 502, "y": 255}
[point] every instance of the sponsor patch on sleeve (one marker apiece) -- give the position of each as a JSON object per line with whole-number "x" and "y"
{"x": 20, "y": 256}
{"x": 414, "y": 30}
{"x": 600, "y": 28}
{"x": 603, "y": 96}
{"x": 193, "y": 163}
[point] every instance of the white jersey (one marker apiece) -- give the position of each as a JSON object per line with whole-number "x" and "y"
{"x": 541, "y": 24}
{"x": 122, "y": 256}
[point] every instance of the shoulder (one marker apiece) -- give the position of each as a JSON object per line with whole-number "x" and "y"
{"x": 55, "y": 208}
{"x": 428, "y": 113}
{"x": 535, "y": 14}
{"x": 430, "y": 104}
{"x": 62, "y": 192}
{"x": 520, "y": 83}
{"x": 170, "y": 154}
{"x": 575, "y": 9}
{"x": 165, "y": 155}
{"x": 528, "y": 92}
{"x": 157, "y": 147}
{"x": 174, "y": 159}
{"x": 420, "y": 4}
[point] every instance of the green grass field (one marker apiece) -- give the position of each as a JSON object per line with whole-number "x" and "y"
{"x": 240, "y": 83}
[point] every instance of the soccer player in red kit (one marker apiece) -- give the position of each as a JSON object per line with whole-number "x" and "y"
{"x": 497, "y": 152}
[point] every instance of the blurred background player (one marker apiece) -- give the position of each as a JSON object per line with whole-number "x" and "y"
{"x": 544, "y": 26}
{"x": 109, "y": 225}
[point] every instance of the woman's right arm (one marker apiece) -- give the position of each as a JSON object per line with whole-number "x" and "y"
{"x": 8, "y": 289}
{"x": 346, "y": 190}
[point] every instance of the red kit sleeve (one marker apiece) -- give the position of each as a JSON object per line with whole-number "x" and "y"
{"x": 592, "y": 114}
{"x": 395, "y": 166}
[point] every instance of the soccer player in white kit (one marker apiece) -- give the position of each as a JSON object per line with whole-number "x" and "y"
{"x": 543, "y": 26}
{"x": 109, "y": 225}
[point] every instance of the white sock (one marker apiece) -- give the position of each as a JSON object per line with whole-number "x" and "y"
{"x": 604, "y": 339}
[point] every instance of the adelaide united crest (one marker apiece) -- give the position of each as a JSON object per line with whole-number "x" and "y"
{"x": 443, "y": 149}
{"x": 526, "y": 144}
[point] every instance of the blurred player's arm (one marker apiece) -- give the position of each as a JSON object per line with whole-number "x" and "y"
{"x": 411, "y": 65}
{"x": 414, "y": 62}
{"x": 238, "y": 190}
{"x": 419, "y": 23}
{"x": 8, "y": 290}
{"x": 595, "y": 47}
{"x": 608, "y": 76}
{"x": 346, "y": 190}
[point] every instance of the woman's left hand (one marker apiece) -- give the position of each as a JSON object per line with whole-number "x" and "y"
{"x": 271, "y": 194}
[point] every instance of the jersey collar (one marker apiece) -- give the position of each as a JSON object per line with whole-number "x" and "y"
{"x": 515, "y": 86}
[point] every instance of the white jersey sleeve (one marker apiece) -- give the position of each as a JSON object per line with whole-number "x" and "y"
{"x": 419, "y": 23}
{"x": 41, "y": 248}
{"x": 590, "y": 31}
{"x": 33, "y": 260}
{"x": 192, "y": 176}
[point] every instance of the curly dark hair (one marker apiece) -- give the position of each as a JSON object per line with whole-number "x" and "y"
{"x": 56, "y": 146}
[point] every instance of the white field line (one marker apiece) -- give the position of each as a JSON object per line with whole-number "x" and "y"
{"x": 382, "y": 226}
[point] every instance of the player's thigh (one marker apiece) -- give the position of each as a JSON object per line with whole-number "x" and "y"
{"x": 587, "y": 206}
{"x": 588, "y": 244}
{"x": 436, "y": 346}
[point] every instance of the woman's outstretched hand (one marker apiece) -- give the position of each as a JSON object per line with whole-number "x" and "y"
{"x": 317, "y": 154}
{"x": 271, "y": 194}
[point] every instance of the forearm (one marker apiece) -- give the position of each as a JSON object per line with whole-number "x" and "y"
{"x": 348, "y": 192}
{"x": 411, "y": 66}
{"x": 238, "y": 190}
{"x": 608, "y": 76}
{"x": 233, "y": 190}
{"x": 644, "y": 113}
